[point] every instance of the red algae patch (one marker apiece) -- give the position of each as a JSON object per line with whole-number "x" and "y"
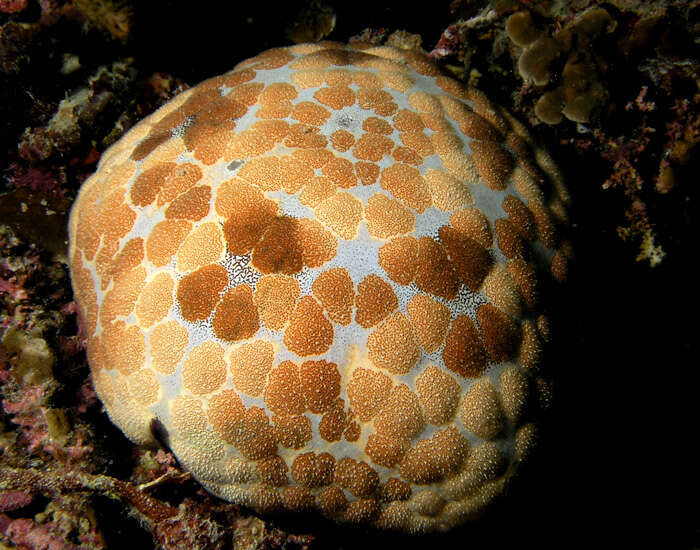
{"x": 321, "y": 275}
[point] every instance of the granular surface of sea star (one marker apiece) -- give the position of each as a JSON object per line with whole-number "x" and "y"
{"x": 317, "y": 279}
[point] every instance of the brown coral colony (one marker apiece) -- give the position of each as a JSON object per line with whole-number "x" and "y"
{"x": 319, "y": 273}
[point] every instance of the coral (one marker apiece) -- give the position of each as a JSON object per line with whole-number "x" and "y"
{"x": 370, "y": 36}
{"x": 55, "y": 528}
{"x": 78, "y": 114}
{"x": 193, "y": 527}
{"x": 62, "y": 484}
{"x": 36, "y": 429}
{"x": 12, "y": 6}
{"x": 404, "y": 40}
{"x": 313, "y": 21}
{"x": 252, "y": 533}
{"x": 11, "y": 500}
{"x": 112, "y": 16}
{"x": 603, "y": 48}
{"x": 15, "y": 38}
{"x": 320, "y": 279}
{"x": 60, "y": 106}
{"x": 570, "y": 52}
{"x": 31, "y": 284}
{"x": 623, "y": 72}
{"x": 69, "y": 522}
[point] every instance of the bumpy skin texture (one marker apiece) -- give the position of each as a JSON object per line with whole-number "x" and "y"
{"x": 317, "y": 275}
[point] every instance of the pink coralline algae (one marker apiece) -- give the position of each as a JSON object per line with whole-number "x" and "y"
{"x": 12, "y": 500}
{"x": 12, "y": 6}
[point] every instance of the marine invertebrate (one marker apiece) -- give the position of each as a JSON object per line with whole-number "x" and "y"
{"x": 114, "y": 17}
{"x": 580, "y": 89}
{"x": 316, "y": 278}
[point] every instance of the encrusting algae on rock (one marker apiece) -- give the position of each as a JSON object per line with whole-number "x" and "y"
{"x": 317, "y": 279}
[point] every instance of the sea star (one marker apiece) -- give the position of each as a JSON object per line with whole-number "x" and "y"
{"x": 315, "y": 278}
